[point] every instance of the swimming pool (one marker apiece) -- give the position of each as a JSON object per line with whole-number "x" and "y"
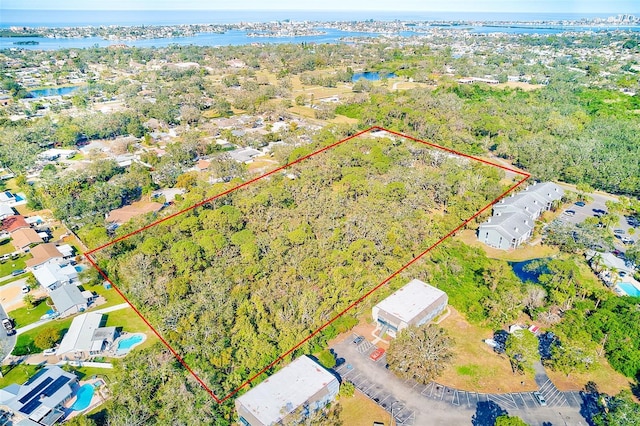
{"x": 126, "y": 344}
{"x": 84, "y": 395}
{"x": 629, "y": 289}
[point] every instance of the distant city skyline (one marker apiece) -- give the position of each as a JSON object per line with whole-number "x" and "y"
{"x": 520, "y": 6}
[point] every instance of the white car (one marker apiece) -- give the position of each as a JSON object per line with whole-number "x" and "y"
{"x": 50, "y": 351}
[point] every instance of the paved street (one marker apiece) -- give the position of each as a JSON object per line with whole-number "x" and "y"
{"x": 435, "y": 404}
{"x": 7, "y": 343}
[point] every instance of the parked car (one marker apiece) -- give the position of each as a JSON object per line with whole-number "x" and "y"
{"x": 581, "y": 204}
{"x": 626, "y": 240}
{"x": 7, "y": 323}
{"x": 377, "y": 354}
{"x": 569, "y": 212}
{"x": 25, "y": 289}
{"x": 618, "y": 231}
{"x": 358, "y": 340}
{"x": 17, "y": 272}
{"x": 540, "y": 398}
{"x": 50, "y": 351}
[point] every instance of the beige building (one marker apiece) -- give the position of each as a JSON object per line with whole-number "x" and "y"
{"x": 414, "y": 304}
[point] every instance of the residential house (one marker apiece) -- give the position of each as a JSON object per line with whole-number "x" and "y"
{"x": 13, "y": 223}
{"x": 124, "y": 214}
{"x": 40, "y": 400}
{"x": 68, "y": 300}
{"x": 6, "y": 211}
{"x": 299, "y": 389}
{"x": 245, "y": 155}
{"x": 46, "y": 253}
{"x": 7, "y": 198}
{"x": 513, "y": 217}
{"x": 86, "y": 337}
{"x": 51, "y": 275}
{"x": 416, "y": 303}
{"x": 24, "y": 238}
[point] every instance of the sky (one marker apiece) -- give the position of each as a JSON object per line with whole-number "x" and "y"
{"x": 534, "y": 6}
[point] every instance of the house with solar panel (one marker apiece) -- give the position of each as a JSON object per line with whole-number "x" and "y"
{"x": 514, "y": 217}
{"x": 40, "y": 400}
{"x": 299, "y": 389}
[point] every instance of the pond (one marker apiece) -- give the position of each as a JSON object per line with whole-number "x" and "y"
{"x": 53, "y": 91}
{"x": 522, "y": 271}
{"x": 371, "y": 76}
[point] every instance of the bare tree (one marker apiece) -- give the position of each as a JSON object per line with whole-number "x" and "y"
{"x": 420, "y": 353}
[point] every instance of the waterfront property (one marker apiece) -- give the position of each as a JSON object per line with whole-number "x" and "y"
{"x": 513, "y": 217}
{"x": 296, "y": 391}
{"x": 86, "y": 337}
{"x": 414, "y": 304}
{"x": 40, "y": 400}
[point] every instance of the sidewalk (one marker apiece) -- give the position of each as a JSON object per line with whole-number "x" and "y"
{"x": 98, "y": 311}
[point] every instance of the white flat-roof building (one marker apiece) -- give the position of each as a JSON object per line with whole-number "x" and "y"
{"x": 302, "y": 387}
{"x": 414, "y": 304}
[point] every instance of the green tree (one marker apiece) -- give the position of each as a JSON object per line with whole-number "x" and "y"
{"x": 522, "y": 349}
{"x": 620, "y": 410}
{"x": 347, "y": 389}
{"x": 420, "y": 353}
{"x": 47, "y": 338}
{"x": 507, "y": 420}
{"x": 29, "y": 300}
{"x": 327, "y": 359}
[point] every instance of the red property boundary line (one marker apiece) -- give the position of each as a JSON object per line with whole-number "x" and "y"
{"x": 89, "y": 255}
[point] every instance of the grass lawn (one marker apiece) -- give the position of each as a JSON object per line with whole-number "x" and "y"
{"x": 475, "y": 366}
{"x": 112, "y": 296}
{"x": 6, "y": 247}
{"x": 360, "y": 410}
{"x": 17, "y": 373}
{"x": 131, "y": 322}
{"x": 13, "y": 264}
{"x": 19, "y": 277}
{"x": 608, "y": 380}
{"x": 26, "y": 339}
{"x": 86, "y": 373}
{"x": 525, "y": 252}
{"x": 24, "y": 316}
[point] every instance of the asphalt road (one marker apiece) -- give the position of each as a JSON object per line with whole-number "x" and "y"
{"x": 415, "y": 404}
{"x": 7, "y": 343}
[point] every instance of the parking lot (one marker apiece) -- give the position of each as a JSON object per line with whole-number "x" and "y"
{"x": 595, "y": 208}
{"x": 412, "y": 403}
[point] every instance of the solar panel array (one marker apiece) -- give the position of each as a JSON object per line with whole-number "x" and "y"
{"x": 46, "y": 388}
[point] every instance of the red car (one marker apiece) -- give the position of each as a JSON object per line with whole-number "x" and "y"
{"x": 375, "y": 355}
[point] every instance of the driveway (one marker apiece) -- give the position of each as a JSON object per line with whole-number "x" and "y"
{"x": 436, "y": 404}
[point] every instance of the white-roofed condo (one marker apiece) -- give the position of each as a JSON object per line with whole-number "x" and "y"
{"x": 414, "y": 304}
{"x": 301, "y": 388}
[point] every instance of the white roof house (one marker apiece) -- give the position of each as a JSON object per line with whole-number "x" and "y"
{"x": 51, "y": 275}
{"x": 86, "y": 336}
{"x": 414, "y": 304}
{"x": 6, "y": 211}
{"x": 245, "y": 155}
{"x": 303, "y": 382}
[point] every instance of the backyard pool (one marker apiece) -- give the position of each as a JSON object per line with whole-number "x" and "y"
{"x": 629, "y": 289}
{"x": 126, "y": 344}
{"x": 84, "y": 395}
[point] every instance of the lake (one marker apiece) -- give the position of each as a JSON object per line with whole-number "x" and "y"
{"x": 53, "y": 91}
{"x": 371, "y": 76}
{"x": 520, "y": 269}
